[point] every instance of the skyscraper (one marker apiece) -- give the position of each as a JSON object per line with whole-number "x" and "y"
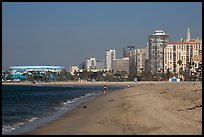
{"x": 141, "y": 53}
{"x": 157, "y": 42}
{"x": 133, "y": 63}
{"x": 100, "y": 65}
{"x": 110, "y": 55}
{"x": 137, "y": 61}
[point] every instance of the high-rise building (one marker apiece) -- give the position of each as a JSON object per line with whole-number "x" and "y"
{"x": 156, "y": 43}
{"x": 90, "y": 63}
{"x": 147, "y": 59}
{"x": 126, "y": 51}
{"x": 137, "y": 60}
{"x": 82, "y": 65}
{"x": 141, "y": 56}
{"x": 110, "y": 55}
{"x": 133, "y": 63}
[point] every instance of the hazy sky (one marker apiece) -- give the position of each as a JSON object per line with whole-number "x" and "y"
{"x": 66, "y": 33}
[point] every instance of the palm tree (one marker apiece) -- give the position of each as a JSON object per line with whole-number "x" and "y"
{"x": 174, "y": 68}
{"x": 180, "y": 63}
{"x": 187, "y": 71}
{"x": 168, "y": 73}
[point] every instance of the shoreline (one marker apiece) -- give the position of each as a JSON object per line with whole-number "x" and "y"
{"x": 93, "y": 83}
{"x": 144, "y": 108}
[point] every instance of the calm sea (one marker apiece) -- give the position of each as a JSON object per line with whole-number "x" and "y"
{"x": 27, "y": 107}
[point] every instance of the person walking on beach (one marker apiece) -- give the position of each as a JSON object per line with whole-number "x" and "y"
{"x": 105, "y": 89}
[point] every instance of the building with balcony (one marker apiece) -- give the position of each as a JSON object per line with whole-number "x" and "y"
{"x": 156, "y": 44}
{"x": 137, "y": 58}
{"x": 109, "y": 56}
{"x": 90, "y": 63}
{"x": 178, "y": 55}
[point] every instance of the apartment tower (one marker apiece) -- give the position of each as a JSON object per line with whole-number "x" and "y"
{"x": 156, "y": 43}
{"x": 110, "y": 55}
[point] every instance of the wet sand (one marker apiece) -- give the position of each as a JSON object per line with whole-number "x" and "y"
{"x": 146, "y": 108}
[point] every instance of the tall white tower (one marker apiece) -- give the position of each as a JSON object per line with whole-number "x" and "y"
{"x": 156, "y": 44}
{"x": 188, "y": 37}
{"x": 110, "y": 55}
{"x": 90, "y": 63}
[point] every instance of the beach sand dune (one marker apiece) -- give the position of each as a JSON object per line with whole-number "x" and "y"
{"x": 155, "y": 108}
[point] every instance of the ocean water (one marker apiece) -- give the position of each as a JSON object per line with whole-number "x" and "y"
{"x": 27, "y": 107}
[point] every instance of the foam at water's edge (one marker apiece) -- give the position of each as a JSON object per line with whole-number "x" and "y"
{"x": 6, "y": 129}
{"x": 34, "y": 122}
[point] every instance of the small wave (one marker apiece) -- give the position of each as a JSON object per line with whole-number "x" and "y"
{"x": 9, "y": 128}
{"x": 68, "y": 86}
{"x": 32, "y": 119}
{"x": 76, "y": 99}
{"x": 68, "y": 102}
{"x": 6, "y": 129}
{"x": 60, "y": 108}
{"x": 89, "y": 94}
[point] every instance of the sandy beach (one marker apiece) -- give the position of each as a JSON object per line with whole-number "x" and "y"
{"x": 146, "y": 108}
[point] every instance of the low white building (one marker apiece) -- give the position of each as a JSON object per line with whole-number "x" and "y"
{"x": 197, "y": 65}
{"x": 73, "y": 69}
{"x": 90, "y": 63}
{"x": 121, "y": 65}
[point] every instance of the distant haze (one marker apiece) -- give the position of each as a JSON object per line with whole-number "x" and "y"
{"x": 66, "y": 33}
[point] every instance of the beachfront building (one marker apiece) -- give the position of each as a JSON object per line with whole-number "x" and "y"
{"x": 73, "y": 69}
{"x": 156, "y": 43}
{"x": 20, "y": 72}
{"x": 121, "y": 65}
{"x": 133, "y": 63}
{"x": 178, "y": 55}
{"x": 90, "y": 63}
{"x": 109, "y": 56}
{"x": 197, "y": 66}
{"x": 141, "y": 53}
{"x": 146, "y": 64}
{"x": 82, "y": 65}
{"x": 137, "y": 58}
